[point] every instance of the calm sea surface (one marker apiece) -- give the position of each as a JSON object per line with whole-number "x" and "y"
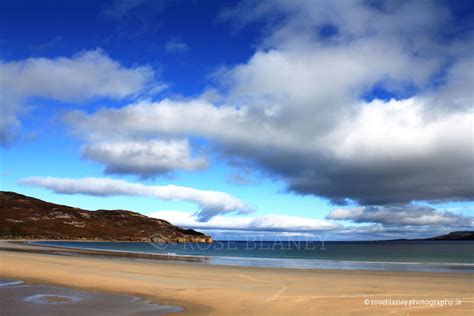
{"x": 439, "y": 256}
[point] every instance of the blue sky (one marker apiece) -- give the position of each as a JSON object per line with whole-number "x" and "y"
{"x": 351, "y": 119}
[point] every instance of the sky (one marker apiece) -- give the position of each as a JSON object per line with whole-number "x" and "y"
{"x": 342, "y": 120}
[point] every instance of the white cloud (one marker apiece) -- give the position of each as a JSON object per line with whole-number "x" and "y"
{"x": 86, "y": 75}
{"x": 397, "y": 129}
{"x": 145, "y": 158}
{"x": 264, "y": 223}
{"x": 384, "y": 223}
{"x": 211, "y": 203}
{"x": 383, "y": 152}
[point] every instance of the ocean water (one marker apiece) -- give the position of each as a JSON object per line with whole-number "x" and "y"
{"x": 430, "y": 256}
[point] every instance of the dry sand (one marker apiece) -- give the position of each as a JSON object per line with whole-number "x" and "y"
{"x": 227, "y": 290}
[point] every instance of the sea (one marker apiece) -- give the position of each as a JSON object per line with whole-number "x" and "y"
{"x": 420, "y": 256}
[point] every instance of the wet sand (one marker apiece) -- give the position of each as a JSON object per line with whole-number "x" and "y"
{"x": 227, "y": 290}
{"x": 18, "y": 298}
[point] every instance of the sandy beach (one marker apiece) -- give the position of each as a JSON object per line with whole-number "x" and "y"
{"x": 226, "y": 290}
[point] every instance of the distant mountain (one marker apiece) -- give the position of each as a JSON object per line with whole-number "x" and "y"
{"x": 460, "y": 235}
{"x": 23, "y": 217}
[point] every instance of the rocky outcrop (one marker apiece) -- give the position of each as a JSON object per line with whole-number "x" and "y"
{"x": 23, "y": 217}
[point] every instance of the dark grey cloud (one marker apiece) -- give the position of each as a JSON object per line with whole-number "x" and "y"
{"x": 446, "y": 175}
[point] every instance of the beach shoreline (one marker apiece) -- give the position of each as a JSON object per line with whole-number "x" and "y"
{"x": 203, "y": 289}
{"x": 197, "y": 255}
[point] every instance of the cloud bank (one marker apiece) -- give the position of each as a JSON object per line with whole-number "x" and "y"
{"x": 408, "y": 215}
{"x": 371, "y": 223}
{"x": 394, "y": 222}
{"x": 264, "y": 223}
{"x": 304, "y": 107}
{"x": 211, "y": 203}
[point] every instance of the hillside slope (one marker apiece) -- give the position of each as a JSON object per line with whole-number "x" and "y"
{"x": 23, "y": 217}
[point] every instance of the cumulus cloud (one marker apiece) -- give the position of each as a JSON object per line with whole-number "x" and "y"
{"x": 264, "y": 223}
{"x": 79, "y": 78}
{"x": 298, "y": 108}
{"x": 144, "y": 158}
{"x": 387, "y": 153}
{"x": 211, "y": 203}
{"x": 401, "y": 215}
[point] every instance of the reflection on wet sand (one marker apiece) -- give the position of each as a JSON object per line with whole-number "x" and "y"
{"x": 18, "y": 298}
{"x": 66, "y": 251}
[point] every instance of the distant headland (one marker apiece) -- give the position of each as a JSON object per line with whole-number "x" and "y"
{"x": 458, "y": 235}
